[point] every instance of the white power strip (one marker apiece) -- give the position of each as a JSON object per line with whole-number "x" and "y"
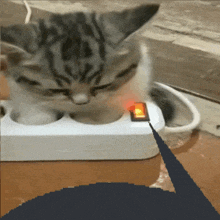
{"x": 67, "y": 139}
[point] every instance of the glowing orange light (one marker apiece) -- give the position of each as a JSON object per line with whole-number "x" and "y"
{"x": 139, "y": 111}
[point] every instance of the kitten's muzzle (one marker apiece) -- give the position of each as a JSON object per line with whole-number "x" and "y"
{"x": 80, "y": 99}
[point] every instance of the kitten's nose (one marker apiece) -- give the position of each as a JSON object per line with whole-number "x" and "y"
{"x": 80, "y": 99}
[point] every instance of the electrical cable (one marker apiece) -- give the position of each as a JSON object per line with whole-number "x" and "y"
{"x": 29, "y": 12}
{"x": 195, "y": 113}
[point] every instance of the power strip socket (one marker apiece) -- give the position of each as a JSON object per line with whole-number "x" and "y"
{"x": 67, "y": 139}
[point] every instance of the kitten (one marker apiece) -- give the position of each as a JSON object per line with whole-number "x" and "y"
{"x": 83, "y": 63}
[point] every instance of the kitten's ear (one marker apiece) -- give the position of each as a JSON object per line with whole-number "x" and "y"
{"x": 17, "y": 42}
{"x": 119, "y": 25}
{"x": 25, "y": 36}
{"x": 10, "y": 54}
{"x": 7, "y": 49}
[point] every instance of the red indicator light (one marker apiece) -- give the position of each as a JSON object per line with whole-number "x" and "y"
{"x": 139, "y": 112}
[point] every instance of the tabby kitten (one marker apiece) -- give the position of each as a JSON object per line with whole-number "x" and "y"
{"x": 83, "y": 63}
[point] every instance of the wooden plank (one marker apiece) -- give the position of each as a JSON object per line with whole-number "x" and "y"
{"x": 183, "y": 67}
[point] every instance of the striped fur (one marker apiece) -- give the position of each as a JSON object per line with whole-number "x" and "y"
{"x": 80, "y": 62}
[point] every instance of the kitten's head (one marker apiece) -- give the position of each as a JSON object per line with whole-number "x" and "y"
{"x": 74, "y": 56}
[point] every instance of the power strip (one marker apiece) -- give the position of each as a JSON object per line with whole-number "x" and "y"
{"x": 67, "y": 139}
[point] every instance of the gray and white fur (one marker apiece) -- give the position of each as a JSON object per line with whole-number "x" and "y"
{"x": 83, "y": 63}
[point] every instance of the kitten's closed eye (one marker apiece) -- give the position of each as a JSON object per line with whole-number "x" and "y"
{"x": 23, "y": 79}
{"x": 54, "y": 92}
{"x": 34, "y": 67}
{"x": 94, "y": 90}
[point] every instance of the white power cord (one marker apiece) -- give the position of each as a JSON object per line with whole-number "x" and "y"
{"x": 195, "y": 113}
{"x": 28, "y": 16}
